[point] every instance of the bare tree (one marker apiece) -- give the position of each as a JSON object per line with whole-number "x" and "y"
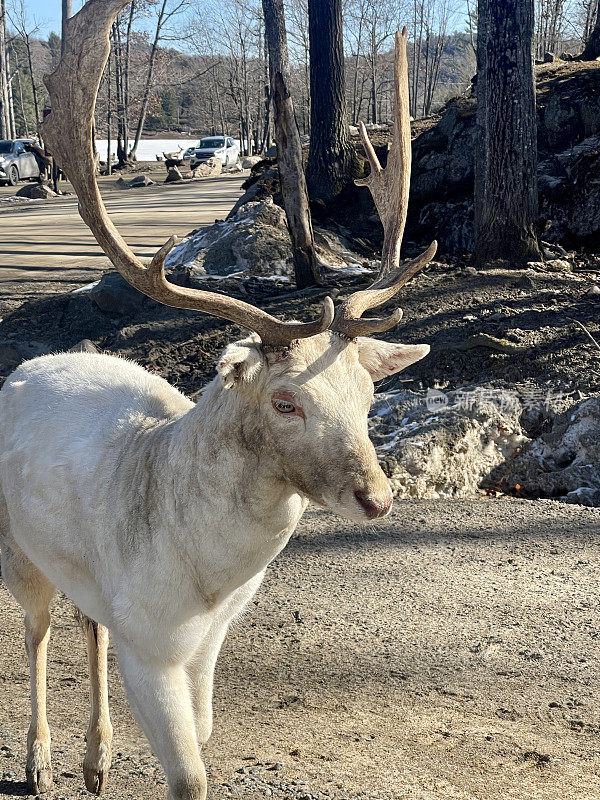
{"x": 165, "y": 15}
{"x": 6, "y": 107}
{"x": 289, "y": 149}
{"x": 506, "y": 201}
{"x": 22, "y": 27}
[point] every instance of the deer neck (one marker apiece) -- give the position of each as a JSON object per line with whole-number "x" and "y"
{"x": 228, "y": 511}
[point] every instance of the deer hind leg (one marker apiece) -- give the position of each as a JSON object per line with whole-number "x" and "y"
{"x": 160, "y": 698}
{"x": 34, "y": 593}
{"x": 96, "y": 763}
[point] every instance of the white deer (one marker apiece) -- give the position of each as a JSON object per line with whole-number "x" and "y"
{"x": 156, "y": 516}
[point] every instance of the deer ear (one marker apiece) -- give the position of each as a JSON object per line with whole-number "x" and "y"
{"x": 382, "y": 359}
{"x": 240, "y": 362}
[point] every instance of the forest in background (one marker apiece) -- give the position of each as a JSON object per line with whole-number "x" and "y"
{"x": 201, "y": 67}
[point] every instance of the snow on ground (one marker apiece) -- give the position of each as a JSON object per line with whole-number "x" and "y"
{"x": 148, "y": 149}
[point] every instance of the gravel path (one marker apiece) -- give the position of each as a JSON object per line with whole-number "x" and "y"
{"x": 449, "y": 652}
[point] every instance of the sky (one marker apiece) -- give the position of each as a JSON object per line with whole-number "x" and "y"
{"x": 47, "y": 14}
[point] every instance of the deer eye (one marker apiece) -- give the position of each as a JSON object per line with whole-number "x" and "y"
{"x": 284, "y": 406}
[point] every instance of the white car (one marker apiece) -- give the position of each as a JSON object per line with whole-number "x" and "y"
{"x": 225, "y": 148}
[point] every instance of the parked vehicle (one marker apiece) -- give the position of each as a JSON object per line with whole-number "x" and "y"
{"x": 17, "y": 162}
{"x": 225, "y": 148}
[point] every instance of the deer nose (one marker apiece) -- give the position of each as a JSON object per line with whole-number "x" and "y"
{"x": 373, "y": 507}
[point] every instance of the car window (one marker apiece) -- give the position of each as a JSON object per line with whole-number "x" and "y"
{"x": 212, "y": 143}
{"x": 229, "y": 142}
{"x": 5, "y": 146}
{"x": 19, "y": 149}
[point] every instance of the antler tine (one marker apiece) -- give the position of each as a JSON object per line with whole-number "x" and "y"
{"x": 73, "y": 88}
{"x": 348, "y": 320}
{"x": 390, "y": 188}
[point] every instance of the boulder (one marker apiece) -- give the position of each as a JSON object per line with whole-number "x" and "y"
{"x": 173, "y": 175}
{"x": 564, "y": 462}
{"x": 36, "y": 191}
{"x": 84, "y": 346}
{"x": 208, "y": 168}
{"x": 113, "y": 295}
{"x": 255, "y": 241}
{"x": 250, "y": 161}
{"x": 568, "y": 167}
{"x": 140, "y": 181}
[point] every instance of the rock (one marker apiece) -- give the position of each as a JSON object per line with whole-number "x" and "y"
{"x": 559, "y": 265}
{"x": 593, "y": 291}
{"x": 444, "y": 444}
{"x": 549, "y": 58}
{"x": 114, "y": 295}
{"x": 237, "y": 167}
{"x": 36, "y": 191}
{"x": 84, "y": 346}
{"x": 139, "y": 181}
{"x": 562, "y": 463}
{"x": 568, "y": 128}
{"x": 208, "y": 168}
{"x": 491, "y": 342}
{"x": 173, "y": 175}
{"x": 255, "y": 241}
{"x": 250, "y": 161}
{"x": 266, "y": 185}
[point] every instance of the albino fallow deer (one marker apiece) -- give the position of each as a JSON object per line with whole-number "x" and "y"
{"x": 156, "y": 516}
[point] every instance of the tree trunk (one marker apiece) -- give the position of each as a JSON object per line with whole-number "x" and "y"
{"x": 67, "y": 13}
{"x": 21, "y": 103}
{"x": 506, "y": 200}
{"x": 591, "y": 51}
{"x": 33, "y": 87}
{"x": 108, "y": 115}
{"x": 4, "y": 112}
{"x": 331, "y": 158}
{"x": 289, "y": 149}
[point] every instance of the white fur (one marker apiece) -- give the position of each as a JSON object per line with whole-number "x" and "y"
{"x": 158, "y": 517}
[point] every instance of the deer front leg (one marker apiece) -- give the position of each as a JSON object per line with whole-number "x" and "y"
{"x": 34, "y": 592}
{"x": 96, "y": 763}
{"x": 160, "y": 698}
{"x": 201, "y": 671}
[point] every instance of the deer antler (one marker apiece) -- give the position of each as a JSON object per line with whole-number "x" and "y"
{"x": 73, "y": 88}
{"x": 390, "y": 188}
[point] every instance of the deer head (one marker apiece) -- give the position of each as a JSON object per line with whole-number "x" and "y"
{"x": 307, "y": 386}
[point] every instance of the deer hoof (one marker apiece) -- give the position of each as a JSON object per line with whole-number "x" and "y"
{"x": 95, "y": 780}
{"x": 38, "y": 771}
{"x": 39, "y": 781}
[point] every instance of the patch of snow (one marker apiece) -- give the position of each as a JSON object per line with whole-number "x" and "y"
{"x": 88, "y": 287}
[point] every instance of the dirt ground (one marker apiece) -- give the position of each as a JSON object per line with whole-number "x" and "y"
{"x": 41, "y": 238}
{"x": 449, "y": 652}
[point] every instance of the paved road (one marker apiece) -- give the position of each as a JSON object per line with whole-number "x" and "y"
{"x": 40, "y": 239}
